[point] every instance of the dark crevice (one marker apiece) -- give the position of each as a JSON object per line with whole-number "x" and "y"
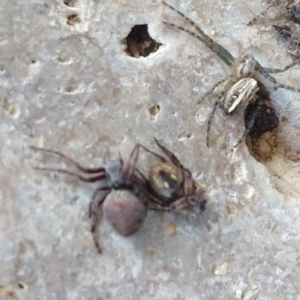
{"x": 73, "y": 19}
{"x": 139, "y": 42}
{"x": 70, "y": 3}
{"x": 262, "y": 137}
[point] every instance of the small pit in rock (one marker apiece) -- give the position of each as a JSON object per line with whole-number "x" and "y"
{"x": 139, "y": 42}
{"x": 21, "y": 286}
{"x": 73, "y": 19}
{"x": 71, "y": 3}
{"x": 154, "y": 110}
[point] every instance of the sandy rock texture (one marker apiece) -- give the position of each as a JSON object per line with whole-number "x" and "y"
{"x": 67, "y": 83}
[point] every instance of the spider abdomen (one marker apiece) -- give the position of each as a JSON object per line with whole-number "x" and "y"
{"x": 124, "y": 211}
{"x": 240, "y": 93}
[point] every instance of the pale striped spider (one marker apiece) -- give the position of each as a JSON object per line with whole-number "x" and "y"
{"x": 240, "y": 87}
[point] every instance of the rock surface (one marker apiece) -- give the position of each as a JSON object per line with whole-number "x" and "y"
{"x": 66, "y": 83}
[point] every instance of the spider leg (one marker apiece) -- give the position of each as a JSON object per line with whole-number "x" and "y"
{"x": 148, "y": 191}
{"x": 262, "y": 71}
{"x": 121, "y": 159}
{"x": 94, "y": 214}
{"x": 82, "y": 178}
{"x": 95, "y": 221}
{"x": 129, "y": 166}
{"x": 70, "y": 160}
{"x": 153, "y": 153}
{"x": 215, "y": 48}
{"x": 251, "y": 122}
{"x": 292, "y": 64}
{"x": 214, "y": 86}
{"x": 185, "y": 172}
{"x": 171, "y": 155}
{"x": 162, "y": 208}
{"x": 183, "y": 204}
{"x": 254, "y": 19}
{"x": 204, "y": 38}
{"x": 141, "y": 174}
{"x": 143, "y": 185}
{"x": 100, "y": 189}
{"x": 209, "y": 122}
{"x": 218, "y": 102}
{"x": 99, "y": 202}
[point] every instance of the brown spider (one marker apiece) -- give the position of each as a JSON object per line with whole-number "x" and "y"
{"x": 122, "y": 192}
{"x": 172, "y": 184}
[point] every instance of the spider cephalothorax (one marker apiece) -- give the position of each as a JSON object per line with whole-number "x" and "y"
{"x": 172, "y": 185}
{"x": 122, "y": 192}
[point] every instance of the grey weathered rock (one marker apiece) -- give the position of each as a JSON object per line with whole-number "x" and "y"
{"x": 67, "y": 84}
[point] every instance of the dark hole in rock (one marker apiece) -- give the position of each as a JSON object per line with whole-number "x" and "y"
{"x": 154, "y": 109}
{"x": 73, "y": 19}
{"x": 71, "y": 89}
{"x": 139, "y": 42}
{"x": 21, "y": 286}
{"x": 262, "y": 137}
{"x": 266, "y": 119}
{"x": 71, "y": 3}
